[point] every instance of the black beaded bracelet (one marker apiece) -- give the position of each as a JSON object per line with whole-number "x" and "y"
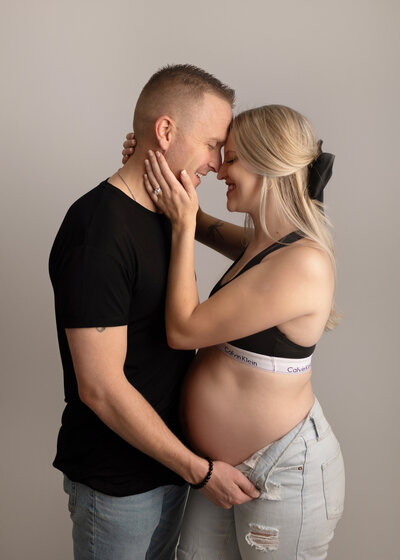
{"x": 206, "y": 478}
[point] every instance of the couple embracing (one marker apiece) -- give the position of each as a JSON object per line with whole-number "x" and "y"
{"x": 238, "y": 421}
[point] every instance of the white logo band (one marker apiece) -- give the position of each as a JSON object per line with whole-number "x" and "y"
{"x": 269, "y": 363}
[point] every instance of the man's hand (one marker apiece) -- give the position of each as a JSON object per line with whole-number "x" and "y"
{"x": 129, "y": 147}
{"x": 228, "y": 487}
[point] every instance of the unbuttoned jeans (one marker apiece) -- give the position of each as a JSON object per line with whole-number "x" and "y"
{"x": 138, "y": 527}
{"x": 301, "y": 480}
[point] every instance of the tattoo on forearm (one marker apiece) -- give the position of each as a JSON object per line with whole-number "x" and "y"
{"x": 100, "y": 329}
{"x": 213, "y": 230}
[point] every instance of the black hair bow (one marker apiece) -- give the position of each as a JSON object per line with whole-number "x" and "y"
{"x": 320, "y": 171}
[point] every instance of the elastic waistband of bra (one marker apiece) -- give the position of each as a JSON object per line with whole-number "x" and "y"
{"x": 269, "y": 363}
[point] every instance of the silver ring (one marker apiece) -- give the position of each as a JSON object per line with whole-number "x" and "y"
{"x": 157, "y": 191}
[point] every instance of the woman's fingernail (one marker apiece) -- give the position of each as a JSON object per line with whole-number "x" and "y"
{"x": 184, "y": 172}
{"x": 158, "y": 154}
{"x": 151, "y": 153}
{"x": 146, "y": 161}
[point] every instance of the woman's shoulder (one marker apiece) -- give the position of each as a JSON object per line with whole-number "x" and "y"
{"x": 303, "y": 259}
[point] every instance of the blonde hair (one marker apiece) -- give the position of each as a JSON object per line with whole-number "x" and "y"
{"x": 279, "y": 144}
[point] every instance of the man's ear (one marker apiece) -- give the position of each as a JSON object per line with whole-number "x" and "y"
{"x": 165, "y": 130}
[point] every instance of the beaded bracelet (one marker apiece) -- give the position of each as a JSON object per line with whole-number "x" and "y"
{"x": 206, "y": 478}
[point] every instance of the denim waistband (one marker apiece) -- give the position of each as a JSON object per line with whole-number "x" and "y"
{"x": 313, "y": 427}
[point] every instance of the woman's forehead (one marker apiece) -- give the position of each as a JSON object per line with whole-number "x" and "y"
{"x": 230, "y": 144}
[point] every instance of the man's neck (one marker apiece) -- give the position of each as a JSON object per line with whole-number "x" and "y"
{"x": 132, "y": 183}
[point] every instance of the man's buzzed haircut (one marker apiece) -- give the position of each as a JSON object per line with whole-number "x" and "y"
{"x": 172, "y": 91}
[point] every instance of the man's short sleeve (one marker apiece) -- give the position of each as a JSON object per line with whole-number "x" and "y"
{"x": 93, "y": 289}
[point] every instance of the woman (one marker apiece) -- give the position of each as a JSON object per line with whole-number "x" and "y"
{"x": 248, "y": 399}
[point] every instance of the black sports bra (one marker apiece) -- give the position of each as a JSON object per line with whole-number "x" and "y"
{"x": 270, "y": 342}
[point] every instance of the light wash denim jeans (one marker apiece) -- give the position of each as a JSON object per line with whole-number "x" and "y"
{"x": 139, "y": 527}
{"x": 301, "y": 480}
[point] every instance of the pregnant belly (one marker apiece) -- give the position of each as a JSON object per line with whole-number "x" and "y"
{"x": 229, "y": 410}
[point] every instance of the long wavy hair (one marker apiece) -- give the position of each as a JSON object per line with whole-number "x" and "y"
{"x": 279, "y": 144}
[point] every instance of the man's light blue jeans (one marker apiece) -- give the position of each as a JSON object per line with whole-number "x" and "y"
{"x": 301, "y": 480}
{"x": 140, "y": 527}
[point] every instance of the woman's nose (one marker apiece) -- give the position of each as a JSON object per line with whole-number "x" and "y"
{"x": 221, "y": 172}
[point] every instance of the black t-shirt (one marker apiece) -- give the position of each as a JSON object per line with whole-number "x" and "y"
{"x": 108, "y": 266}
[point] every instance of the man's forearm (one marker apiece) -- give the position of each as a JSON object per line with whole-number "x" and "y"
{"x": 123, "y": 409}
{"x": 224, "y": 237}
{"x": 99, "y": 356}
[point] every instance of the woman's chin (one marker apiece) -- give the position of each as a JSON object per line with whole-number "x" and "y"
{"x": 231, "y": 206}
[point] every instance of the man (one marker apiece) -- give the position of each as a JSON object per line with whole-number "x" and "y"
{"x": 119, "y": 445}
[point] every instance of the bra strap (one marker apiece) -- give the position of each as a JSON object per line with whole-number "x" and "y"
{"x": 287, "y": 240}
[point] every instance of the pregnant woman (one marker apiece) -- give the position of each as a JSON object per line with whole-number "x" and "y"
{"x": 248, "y": 398}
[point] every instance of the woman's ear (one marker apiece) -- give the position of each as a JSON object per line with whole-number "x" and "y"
{"x": 164, "y": 129}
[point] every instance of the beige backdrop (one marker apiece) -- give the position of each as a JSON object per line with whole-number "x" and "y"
{"x": 71, "y": 73}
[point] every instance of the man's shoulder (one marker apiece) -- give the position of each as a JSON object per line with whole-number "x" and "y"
{"x": 86, "y": 215}
{"x": 88, "y": 201}
{"x": 101, "y": 209}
